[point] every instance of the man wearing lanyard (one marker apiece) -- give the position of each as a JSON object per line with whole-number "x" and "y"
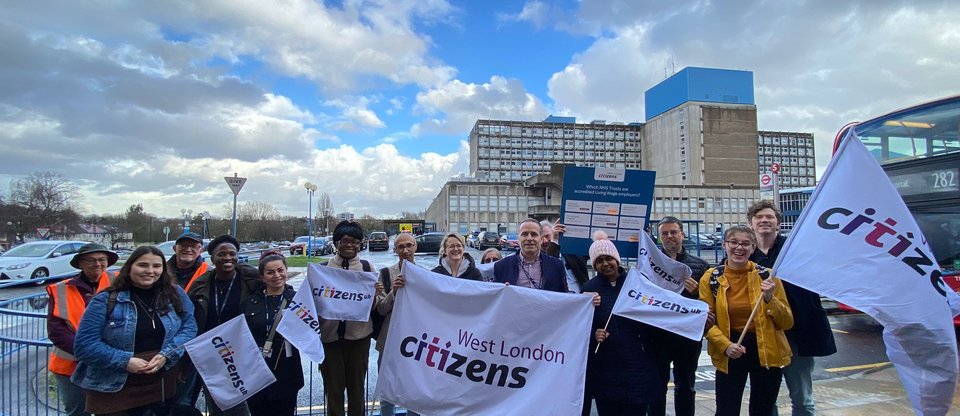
{"x": 575, "y": 266}
{"x": 530, "y": 267}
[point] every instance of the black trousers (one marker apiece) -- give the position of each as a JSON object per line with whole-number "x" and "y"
{"x": 609, "y": 408}
{"x": 684, "y": 353}
{"x": 764, "y": 382}
{"x": 285, "y": 406}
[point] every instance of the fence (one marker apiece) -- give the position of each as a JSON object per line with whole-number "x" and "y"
{"x": 27, "y": 388}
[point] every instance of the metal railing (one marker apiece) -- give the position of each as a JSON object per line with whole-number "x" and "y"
{"x": 27, "y": 388}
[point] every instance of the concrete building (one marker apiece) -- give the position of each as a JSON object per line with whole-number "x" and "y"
{"x": 700, "y": 137}
{"x": 792, "y": 202}
{"x": 795, "y": 154}
{"x": 345, "y": 216}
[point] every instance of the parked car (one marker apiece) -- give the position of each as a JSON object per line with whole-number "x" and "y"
{"x": 379, "y": 241}
{"x": 705, "y": 241}
{"x": 510, "y": 242}
{"x": 488, "y": 239}
{"x": 299, "y": 246}
{"x": 39, "y": 259}
{"x": 429, "y": 243}
{"x": 472, "y": 239}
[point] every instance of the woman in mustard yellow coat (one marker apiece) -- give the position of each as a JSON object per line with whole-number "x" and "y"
{"x": 733, "y": 290}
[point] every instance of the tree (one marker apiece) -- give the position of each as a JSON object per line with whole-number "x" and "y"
{"x": 408, "y": 215}
{"x": 43, "y": 199}
{"x": 369, "y": 223}
{"x": 324, "y": 212}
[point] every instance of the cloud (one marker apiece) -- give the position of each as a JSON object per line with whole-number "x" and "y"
{"x": 355, "y": 115}
{"x": 461, "y": 104}
{"x": 817, "y": 65}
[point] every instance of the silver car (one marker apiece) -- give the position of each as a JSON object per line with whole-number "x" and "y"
{"x": 39, "y": 260}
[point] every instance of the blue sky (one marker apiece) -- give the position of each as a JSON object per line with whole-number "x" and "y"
{"x": 149, "y": 103}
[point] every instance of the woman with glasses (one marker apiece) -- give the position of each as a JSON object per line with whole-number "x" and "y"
{"x": 454, "y": 261}
{"x": 747, "y": 301}
{"x": 346, "y": 344}
{"x": 490, "y": 255}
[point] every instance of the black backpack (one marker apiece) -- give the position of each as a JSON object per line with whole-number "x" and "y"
{"x": 375, "y": 315}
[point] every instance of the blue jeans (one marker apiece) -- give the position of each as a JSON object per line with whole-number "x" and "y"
{"x": 799, "y": 378}
{"x": 387, "y": 408}
{"x": 71, "y": 395}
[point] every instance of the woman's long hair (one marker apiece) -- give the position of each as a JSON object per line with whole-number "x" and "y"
{"x": 165, "y": 288}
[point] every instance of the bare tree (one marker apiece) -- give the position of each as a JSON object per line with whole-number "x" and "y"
{"x": 257, "y": 211}
{"x": 43, "y": 199}
{"x": 324, "y": 211}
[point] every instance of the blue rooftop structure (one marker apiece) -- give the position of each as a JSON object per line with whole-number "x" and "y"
{"x": 699, "y": 84}
{"x": 560, "y": 119}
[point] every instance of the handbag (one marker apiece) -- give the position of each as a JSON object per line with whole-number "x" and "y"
{"x": 139, "y": 390}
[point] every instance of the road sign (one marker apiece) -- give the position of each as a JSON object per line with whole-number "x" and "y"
{"x": 43, "y": 231}
{"x": 236, "y": 184}
{"x": 775, "y": 168}
{"x": 166, "y": 232}
{"x": 765, "y": 179}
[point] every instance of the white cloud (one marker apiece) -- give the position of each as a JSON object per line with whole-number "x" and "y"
{"x": 463, "y": 103}
{"x": 354, "y": 115}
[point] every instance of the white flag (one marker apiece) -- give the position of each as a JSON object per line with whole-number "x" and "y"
{"x": 643, "y": 301}
{"x": 856, "y": 242}
{"x": 460, "y": 347}
{"x": 230, "y": 363}
{"x": 329, "y": 293}
{"x": 660, "y": 268}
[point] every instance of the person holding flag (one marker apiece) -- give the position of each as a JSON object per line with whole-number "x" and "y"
{"x": 748, "y": 337}
{"x": 670, "y": 348}
{"x": 263, "y": 310}
{"x": 621, "y": 369}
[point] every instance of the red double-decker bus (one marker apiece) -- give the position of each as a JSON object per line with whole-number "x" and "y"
{"x": 919, "y": 149}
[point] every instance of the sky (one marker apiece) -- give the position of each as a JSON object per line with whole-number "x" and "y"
{"x": 154, "y": 103}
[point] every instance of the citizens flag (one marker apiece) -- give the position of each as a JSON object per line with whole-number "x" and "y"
{"x": 643, "y": 301}
{"x": 461, "y": 347}
{"x": 230, "y": 363}
{"x": 856, "y": 242}
{"x": 660, "y": 268}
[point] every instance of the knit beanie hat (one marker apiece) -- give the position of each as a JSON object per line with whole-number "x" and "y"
{"x": 603, "y": 247}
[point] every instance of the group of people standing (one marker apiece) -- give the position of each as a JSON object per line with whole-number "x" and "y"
{"x": 118, "y": 340}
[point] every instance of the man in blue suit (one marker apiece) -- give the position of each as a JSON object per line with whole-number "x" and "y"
{"x": 530, "y": 267}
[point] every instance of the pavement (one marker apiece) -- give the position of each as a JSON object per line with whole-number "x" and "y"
{"x": 874, "y": 392}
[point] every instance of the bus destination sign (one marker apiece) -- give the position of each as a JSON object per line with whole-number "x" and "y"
{"x": 931, "y": 181}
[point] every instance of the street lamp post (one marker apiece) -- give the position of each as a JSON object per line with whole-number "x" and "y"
{"x": 206, "y": 216}
{"x": 311, "y": 188}
{"x": 186, "y": 219}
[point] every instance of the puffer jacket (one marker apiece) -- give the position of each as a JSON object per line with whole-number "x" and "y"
{"x": 468, "y": 269}
{"x": 770, "y": 322}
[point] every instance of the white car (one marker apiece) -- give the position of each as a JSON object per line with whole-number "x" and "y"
{"x": 39, "y": 259}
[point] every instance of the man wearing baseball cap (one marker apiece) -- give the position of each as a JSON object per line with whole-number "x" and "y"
{"x": 68, "y": 300}
{"x": 186, "y": 265}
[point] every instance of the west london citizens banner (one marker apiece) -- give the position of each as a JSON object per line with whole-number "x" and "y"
{"x": 459, "y": 347}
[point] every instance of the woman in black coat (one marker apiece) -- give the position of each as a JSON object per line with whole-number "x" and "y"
{"x": 262, "y": 309}
{"x": 622, "y": 375}
{"x": 454, "y": 261}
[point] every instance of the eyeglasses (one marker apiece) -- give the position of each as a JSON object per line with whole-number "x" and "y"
{"x": 735, "y": 244}
{"x": 404, "y": 246}
{"x": 455, "y": 246}
{"x": 488, "y": 260}
{"x": 671, "y": 232}
{"x": 344, "y": 241}
{"x": 95, "y": 260}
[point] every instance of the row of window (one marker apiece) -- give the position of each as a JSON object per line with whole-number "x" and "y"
{"x": 464, "y": 203}
{"x": 790, "y": 140}
{"x": 663, "y": 206}
{"x": 789, "y": 171}
{"x": 486, "y": 129}
{"x": 517, "y": 142}
{"x": 767, "y": 161}
{"x": 791, "y": 151}
{"x": 498, "y": 153}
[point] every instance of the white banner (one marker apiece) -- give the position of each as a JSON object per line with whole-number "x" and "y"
{"x": 660, "y": 268}
{"x": 459, "y": 347}
{"x": 300, "y": 325}
{"x": 230, "y": 363}
{"x": 856, "y": 242}
{"x": 339, "y": 294}
{"x": 643, "y": 301}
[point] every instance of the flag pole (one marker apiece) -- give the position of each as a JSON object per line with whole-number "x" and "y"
{"x": 604, "y": 330}
{"x": 750, "y": 319}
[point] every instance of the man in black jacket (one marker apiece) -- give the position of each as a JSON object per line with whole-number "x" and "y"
{"x": 670, "y": 347}
{"x": 811, "y": 335}
{"x": 574, "y": 265}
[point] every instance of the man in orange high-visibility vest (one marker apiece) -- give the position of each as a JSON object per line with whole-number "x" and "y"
{"x": 185, "y": 266}
{"x": 68, "y": 300}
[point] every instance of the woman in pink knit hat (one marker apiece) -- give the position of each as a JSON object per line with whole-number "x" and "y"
{"x": 622, "y": 375}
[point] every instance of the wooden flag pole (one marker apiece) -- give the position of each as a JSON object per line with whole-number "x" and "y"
{"x": 604, "y": 330}
{"x": 749, "y": 320}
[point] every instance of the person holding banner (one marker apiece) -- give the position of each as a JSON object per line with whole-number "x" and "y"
{"x": 621, "y": 369}
{"x": 346, "y": 344}
{"x": 454, "y": 261}
{"x": 811, "y": 335}
{"x": 263, "y": 310}
{"x": 391, "y": 279}
{"x": 131, "y": 336}
{"x": 683, "y": 352}
{"x": 574, "y": 265}
{"x": 748, "y": 337}
{"x": 217, "y": 295}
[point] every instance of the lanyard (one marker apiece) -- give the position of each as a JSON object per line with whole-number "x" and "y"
{"x": 226, "y": 297}
{"x": 272, "y": 326}
{"x": 523, "y": 266}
